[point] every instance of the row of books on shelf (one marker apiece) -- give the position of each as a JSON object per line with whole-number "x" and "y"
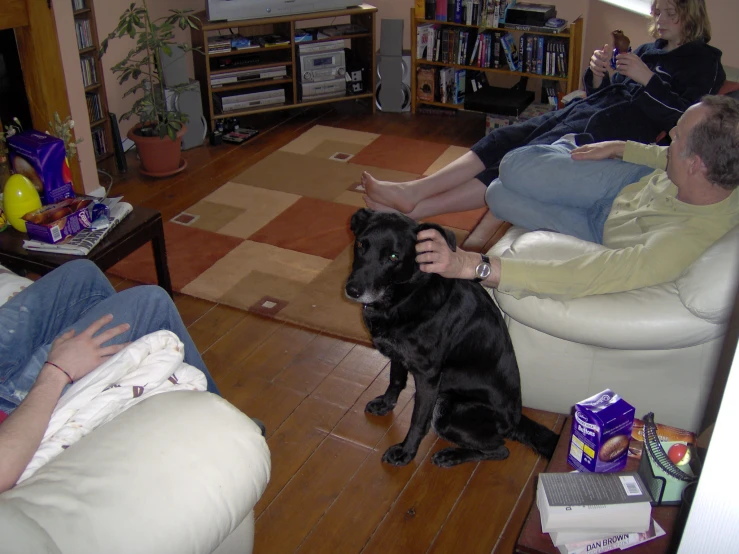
{"x": 84, "y": 33}
{"x": 78, "y": 5}
{"x": 595, "y": 513}
{"x": 240, "y": 76}
{"x": 219, "y": 44}
{"x": 94, "y": 108}
{"x": 98, "y": 141}
{"x": 492, "y": 49}
{"x": 445, "y": 85}
{"x": 89, "y": 71}
{"x": 486, "y": 13}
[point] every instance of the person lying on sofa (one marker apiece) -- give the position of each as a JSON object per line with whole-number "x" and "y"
{"x": 56, "y": 331}
{"x": 654, "y": 229}
{"x": 645, "y": 95}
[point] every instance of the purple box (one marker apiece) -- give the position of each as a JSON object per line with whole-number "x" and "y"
{"x": 58, "y": 221}
{"x": 42, "y": 159}
{"x": 601, "y": 430}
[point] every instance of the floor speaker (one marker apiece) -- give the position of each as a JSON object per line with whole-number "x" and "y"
{"x": 189, "y": 102}
{"x": 400, "y": 87}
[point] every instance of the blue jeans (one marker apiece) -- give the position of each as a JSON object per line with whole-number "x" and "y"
{"x": 542, "y": 187}
{"x": 73, "y": 296}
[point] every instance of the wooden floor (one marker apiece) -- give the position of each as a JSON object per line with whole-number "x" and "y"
{"x": 328, "y": 491}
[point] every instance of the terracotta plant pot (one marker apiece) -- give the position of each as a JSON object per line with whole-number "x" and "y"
{"x": 159, "y": 157}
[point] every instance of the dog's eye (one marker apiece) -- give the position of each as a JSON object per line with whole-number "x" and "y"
{"x": 359, "y": 245}
{"x": 394, "y": 257}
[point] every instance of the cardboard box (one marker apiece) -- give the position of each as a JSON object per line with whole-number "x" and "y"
{"x": 58, "y": 221}
{"x": 43, "y": 159}
{"x": 601, "y": 430}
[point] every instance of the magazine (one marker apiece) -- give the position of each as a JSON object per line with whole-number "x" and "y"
{"x": 83, "y": 242}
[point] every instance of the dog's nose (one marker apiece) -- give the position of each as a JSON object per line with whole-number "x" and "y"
{"x": 352, "y": 290}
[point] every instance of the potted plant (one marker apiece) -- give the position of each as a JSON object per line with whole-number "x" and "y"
{"x": 158, "y": 135}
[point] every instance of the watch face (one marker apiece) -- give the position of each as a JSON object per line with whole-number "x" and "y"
{"x": 482, "y": 270}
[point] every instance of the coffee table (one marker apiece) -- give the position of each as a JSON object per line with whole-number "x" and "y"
{"x": 533, "y": 541}
{"x": 142, "y": 225}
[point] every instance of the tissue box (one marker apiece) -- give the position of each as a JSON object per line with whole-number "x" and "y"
{"x": 601, "y": 430}
{"x": 58, "y": 221}
{"x": 42, "y": 159}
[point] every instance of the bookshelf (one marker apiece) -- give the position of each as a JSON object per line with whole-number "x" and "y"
{"x": 92, "y": 78}
{"x": 570, "y": 39}
{"x": 213, "y": 64}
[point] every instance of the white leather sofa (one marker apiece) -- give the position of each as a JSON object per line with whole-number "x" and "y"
{"x": 656, "y": 347}
{"x": 178, "y": 473}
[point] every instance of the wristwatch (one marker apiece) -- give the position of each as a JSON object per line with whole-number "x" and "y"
{"x": 482, "y": 271}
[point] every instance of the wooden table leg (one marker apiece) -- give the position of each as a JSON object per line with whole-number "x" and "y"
{"x": 159, "y": 248}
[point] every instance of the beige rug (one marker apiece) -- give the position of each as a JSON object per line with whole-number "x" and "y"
{"x": 275, "y": 240}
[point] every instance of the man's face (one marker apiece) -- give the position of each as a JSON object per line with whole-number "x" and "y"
{"x": 678, "y": 163}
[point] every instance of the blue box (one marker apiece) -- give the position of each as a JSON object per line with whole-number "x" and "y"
{"x": 601, "y": 430}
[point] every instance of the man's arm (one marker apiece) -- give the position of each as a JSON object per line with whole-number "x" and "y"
{"x": 649, "y": 155}
{"x": 70, "y": 358}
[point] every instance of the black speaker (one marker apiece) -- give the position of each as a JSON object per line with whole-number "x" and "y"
{"x": 398, "y": 87}
{"x": 389, "y": 94}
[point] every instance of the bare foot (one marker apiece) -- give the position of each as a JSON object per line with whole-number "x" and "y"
{"x": 389, "y": 194}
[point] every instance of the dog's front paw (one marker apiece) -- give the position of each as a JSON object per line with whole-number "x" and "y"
{"x": 379, "y": 406}
{"x": 447, "y": 457}
{"x": 397, "y": 456}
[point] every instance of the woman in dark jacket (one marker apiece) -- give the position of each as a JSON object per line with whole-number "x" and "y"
{"x": 646, "y": 94}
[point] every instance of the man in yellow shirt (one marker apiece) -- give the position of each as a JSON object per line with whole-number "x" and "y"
{"x": 656, "y": 226}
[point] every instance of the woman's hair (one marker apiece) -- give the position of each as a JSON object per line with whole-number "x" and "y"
{"x": 693, "y": 18}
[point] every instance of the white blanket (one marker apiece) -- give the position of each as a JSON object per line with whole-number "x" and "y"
{"x": 151, "y": 365}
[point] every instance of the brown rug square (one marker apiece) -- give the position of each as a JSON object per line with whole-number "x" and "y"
{"x": 275, "y": 240}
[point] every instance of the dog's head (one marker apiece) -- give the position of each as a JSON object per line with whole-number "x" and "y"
{"x": 385, "y": 254}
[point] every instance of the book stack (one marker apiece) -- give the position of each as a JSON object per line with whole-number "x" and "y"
{"x": 218, "y": 44}
{"x": 595, "y": 512}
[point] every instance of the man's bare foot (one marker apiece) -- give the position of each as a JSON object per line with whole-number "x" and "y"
{"x": 388, "y": 194}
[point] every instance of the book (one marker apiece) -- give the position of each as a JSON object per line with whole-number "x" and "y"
{"x": 85, "y": 240}
{"x": 242, "y": 135}
{"x": 620, "y": 541}
{"x": 611, "y": 502}
{"x": 511, "y": 52}
{"x": 426, "y": 82}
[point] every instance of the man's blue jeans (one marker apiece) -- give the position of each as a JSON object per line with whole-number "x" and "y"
{"x": 542, "y": 187}
{"x": 73, "y": 296}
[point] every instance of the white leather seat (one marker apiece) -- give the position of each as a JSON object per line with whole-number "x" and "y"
{"x": 657, "y": 347}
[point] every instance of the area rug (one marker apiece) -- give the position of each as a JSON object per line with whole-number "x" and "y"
{"x": 275, "y": 240}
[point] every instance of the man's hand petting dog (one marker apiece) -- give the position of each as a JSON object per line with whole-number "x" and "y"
{"x": 434, "y": 256}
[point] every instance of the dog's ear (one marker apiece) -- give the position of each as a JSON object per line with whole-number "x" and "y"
{"x": 450, "y": 238}
{"x": 359, "y": 220}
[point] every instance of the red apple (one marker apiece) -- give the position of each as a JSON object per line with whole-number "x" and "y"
{"x": 679, "y": 454}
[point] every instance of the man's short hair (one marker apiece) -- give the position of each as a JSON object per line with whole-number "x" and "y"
{"x": 715, "y": 140}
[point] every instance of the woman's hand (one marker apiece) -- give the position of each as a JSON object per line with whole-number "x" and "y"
{"x": 600, "y": 65}
{"x": 600, "y": 150}
{"x": 630, "y": 65}
{"x": 79, "y": 354}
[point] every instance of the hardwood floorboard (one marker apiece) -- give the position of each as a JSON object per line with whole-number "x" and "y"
{"x": 329, "y": 491}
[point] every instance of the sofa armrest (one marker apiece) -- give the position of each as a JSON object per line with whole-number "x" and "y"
{"x": 707, "y": 287}
{"x": 177, "y": 473}
{"x": 623, "y": 320}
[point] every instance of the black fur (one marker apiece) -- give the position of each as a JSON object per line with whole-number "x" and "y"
{"x": 449, "y": 335}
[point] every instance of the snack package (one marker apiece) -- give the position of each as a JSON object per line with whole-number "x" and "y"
{"x": 665, "y": 433}
{"x": 43, "y": 159}
{"x": 55, "y": 222}
{"x": 621, "y": 44}
{"x": 601, "y": 430}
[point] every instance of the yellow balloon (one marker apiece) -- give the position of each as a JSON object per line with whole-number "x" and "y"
{"x": 19, "y": 198}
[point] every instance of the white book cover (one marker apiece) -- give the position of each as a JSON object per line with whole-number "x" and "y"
{"x": 620, "y": 541}
{"x": 612, "y": 502}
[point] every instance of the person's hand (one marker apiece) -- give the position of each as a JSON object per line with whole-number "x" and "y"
{"x": 599, "y": 150}
{"x": 434, "y": 256}
{"x": 600, "y": 64}
{"x": 630, "y": 65}
{"x": 79, "y": 354}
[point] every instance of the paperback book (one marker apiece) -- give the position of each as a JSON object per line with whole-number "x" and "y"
{"x": 620, "y": 541}
{"x": 608, "y": 502}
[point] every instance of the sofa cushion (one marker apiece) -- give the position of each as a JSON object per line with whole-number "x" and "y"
{"x": 10, "y": 284}
{"x": 708, "y": 286}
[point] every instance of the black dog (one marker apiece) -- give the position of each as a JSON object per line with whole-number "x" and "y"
{"x": 450, "y": 335}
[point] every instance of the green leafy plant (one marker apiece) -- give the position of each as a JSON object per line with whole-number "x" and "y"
{"x": 143, "y": 64}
